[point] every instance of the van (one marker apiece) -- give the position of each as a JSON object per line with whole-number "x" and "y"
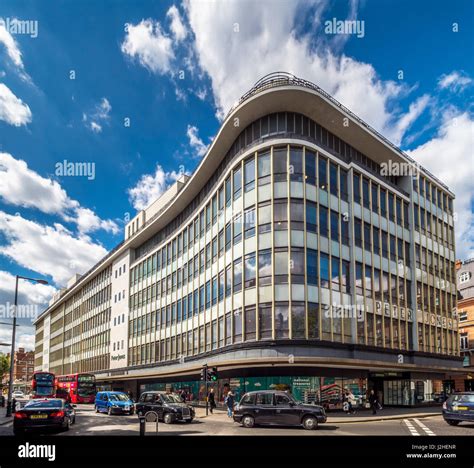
{"x": 113, "y": 403}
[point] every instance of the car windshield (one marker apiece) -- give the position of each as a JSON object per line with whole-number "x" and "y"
{"x": 171, "y": 398}
{"x": 44, "y": 404}
{"x": 463, "y": 398}
{"x": 118, "y": 397}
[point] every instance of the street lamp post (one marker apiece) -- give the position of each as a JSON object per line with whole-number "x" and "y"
{"x": 12, "y": 354}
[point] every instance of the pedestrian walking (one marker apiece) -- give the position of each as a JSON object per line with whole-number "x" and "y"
{"x": 349, "y": 401}
{"x": 229, "y": 402}
{"x": 373, "y": 402}
{"x": 211, "y": 399}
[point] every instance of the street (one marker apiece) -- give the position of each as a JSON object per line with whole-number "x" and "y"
{"x": 88, "y": 422}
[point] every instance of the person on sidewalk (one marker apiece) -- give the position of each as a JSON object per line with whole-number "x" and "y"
{"x": 349, "y": 401}
{"x": 212, "y": 400}
{"x": 373, "y": 402}
{"x": 229, "y": 401}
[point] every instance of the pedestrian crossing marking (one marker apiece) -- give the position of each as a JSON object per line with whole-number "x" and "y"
{"x": 411, "y": 428}
{"x": 425, "y": 428}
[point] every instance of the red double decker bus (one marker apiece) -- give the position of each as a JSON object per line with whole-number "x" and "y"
{"x": 80, "y": 388}
{"x": 43, "y": 385}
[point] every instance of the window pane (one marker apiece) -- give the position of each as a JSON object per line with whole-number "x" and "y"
{"x": 250, "y": 270}
{"x": 237, "y": 275}
{"x": 250, "y": 323}
{"x": 237, "y": 183}
{"x": 280, "y": 164}
{"x": 264, "y": 169}
{"x": 298, "y": 321}
{"x": 265, "y": 321}
{"x": 311, "y": 216}
{"x": 264, "y": 267}
{"x": 312, "y": 266}
{"x": 281, "y": 321}
{"x": 324, "y": 270}
{"x": 296, "y": 164}
{"x": 249, "y": 174}
{"x": 280, "y": 214}
{"x": 249, "y": 223}
{"x": 323, "y": 173}
{"x": 310, "y": 163}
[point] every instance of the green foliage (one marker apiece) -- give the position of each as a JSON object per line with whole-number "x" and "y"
{"x": 4, "y": 366}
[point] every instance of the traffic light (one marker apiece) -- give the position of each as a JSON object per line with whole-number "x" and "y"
{"x": 204, "y": 374}
{"x": 213, "y": 374}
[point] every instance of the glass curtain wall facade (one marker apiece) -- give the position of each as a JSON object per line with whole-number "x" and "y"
{"x": 295, "y": 237}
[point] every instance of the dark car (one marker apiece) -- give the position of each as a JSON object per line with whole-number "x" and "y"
{"x": 168, "y": 406}
{"x": 459, "y": 407}
{"x": 44, "y": 414}
{"x": 277, "y": 408}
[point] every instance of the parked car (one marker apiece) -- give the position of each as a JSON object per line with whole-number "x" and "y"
{"x": 169, "y": 407}
{"x": 44, "y": 414}
{"x": 18, "y": 394}
{"x": 113, "y": 403}
{"x": 459, "y": 407}
{"x": 277, "y": 408}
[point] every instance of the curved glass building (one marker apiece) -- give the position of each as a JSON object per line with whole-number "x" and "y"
{"x": 306, "y": 251}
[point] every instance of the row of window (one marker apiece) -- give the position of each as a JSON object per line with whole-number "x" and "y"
{"x": 376, "y": 198}
{"x": 247, "y": 324}
{"x": 372, "y": 238}
{"x": 433, "y": 194}
{"x": 286, "y": 124}
{"x": 332, "y": 272}
{"x": 433, "y": 299}
{"x": 437, "y": 340}
{"x": 97, "y": 320}
{"x": 433, "y": 227}
{"x": 331, "y": 223}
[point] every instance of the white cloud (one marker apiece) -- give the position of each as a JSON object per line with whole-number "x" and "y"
{"x": 88, "y": 221}
{"x": 28, "y": 292}
{"x": 414, "y": 111}
{"x": 236, "y": 47}
{"x": 199, "y": 148}
{"x": 48, "y": 250}
{"x": 11, "y": 46}
{"x": 455, "y": 81}
{"x": 177, "y": 27}
{"x": 21, "y": 186}
{"x": 147, "y": 43}
{"x": 151, "y": 186}
{"x": 99, "y": 115}
{"x": 25, "y": 338}
{"x": 450, "y": 157}
{"x": 13, "y": 51}
{"x": 12, "y": 109}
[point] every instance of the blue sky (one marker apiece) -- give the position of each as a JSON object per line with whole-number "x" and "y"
{"x": 174, "y": 71}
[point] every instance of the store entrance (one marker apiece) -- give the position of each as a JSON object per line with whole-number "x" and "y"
{"x": 469, "y": 385}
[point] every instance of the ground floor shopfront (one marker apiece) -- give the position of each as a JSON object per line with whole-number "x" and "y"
{"x": 309, "y": 385}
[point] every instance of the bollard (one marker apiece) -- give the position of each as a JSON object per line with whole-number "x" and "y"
{"x": 142, "y": 420}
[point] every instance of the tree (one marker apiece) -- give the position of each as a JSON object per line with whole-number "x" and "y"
{"x": 4, "y": 366}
